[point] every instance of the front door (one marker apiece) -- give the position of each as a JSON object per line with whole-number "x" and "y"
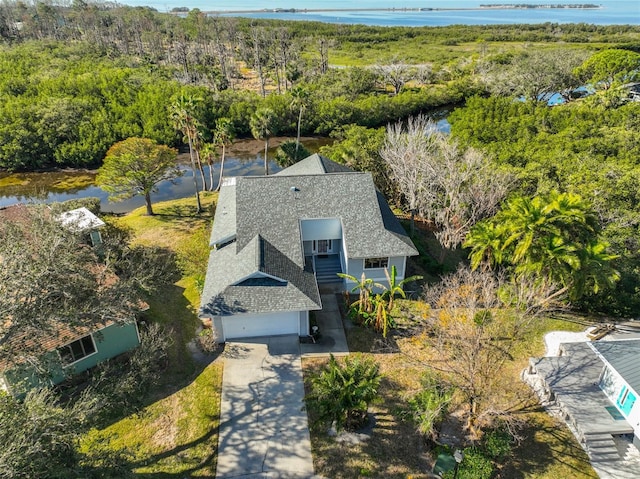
{"x": 323, "y": 246}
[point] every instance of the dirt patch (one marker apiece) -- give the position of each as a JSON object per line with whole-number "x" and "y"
{"x": 166, "y": 425}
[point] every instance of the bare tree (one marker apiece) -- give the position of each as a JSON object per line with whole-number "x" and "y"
{"x": 323, "y": 48}
{"x": 396, "y": 74}
{"x": 454, "y": 188}
{"x": 474, "y": 322}
{"x": 258, "y": 43}
{"x": 402, "y": 151}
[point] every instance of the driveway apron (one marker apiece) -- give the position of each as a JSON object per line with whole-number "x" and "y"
{"x": 263, "y": 425}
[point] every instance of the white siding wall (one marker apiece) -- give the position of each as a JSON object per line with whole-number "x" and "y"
{"x": 216, "y": 324}
{"x": 304, "y": 323}
{"x": 612, "y": 383}
{"x": 355, "y": 267}
{"x": 307, "y": 248}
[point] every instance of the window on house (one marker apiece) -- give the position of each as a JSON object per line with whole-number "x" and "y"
{"x": 626, "y": 400}
{"x": 96, "y": 238}
{"x": 372, "y": 263}
{"x": 77, "y": 350}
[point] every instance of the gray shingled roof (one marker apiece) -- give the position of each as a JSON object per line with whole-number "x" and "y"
{"x": 225, "y": 217}
{"x": 273, "y": 207}
{"x": 264, "y": 214}
{"x": 624, "y": 357}
{"x": 314, "y": 165}
{"x": 256, "y": 279}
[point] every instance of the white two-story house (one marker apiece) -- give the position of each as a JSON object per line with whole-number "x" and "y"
{"x": 275, "y": 238}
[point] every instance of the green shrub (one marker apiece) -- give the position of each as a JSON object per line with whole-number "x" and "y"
{"x": 475, "y": 465}
{"x": 429, "y": 407}
{"x": 497, "y": 444}
{"x": 342, "y": 392}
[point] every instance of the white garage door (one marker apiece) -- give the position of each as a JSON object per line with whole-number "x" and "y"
{"x": 268, "y": 324}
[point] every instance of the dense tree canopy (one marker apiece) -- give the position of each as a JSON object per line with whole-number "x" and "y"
{"x": 608, "y": 67}
{"x": 553, "y": 236}
{"x": 135, "y": 166}
{"x": 586, "y": 148}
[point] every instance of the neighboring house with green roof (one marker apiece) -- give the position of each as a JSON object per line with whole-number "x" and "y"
{"x": 275, "y": 238}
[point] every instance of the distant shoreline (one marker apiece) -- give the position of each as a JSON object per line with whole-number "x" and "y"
{"x": 506, "y": 6}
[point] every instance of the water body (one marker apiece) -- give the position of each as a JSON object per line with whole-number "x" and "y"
{"x": 453, "y": 12}
{"x": 50, "y": 187}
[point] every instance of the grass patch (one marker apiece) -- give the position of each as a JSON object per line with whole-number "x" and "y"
{"x": 548, "y": 449}
{"x": 177, "y": 432}
{"x": 174, "y": 435}
{"x": 174, "y": 221}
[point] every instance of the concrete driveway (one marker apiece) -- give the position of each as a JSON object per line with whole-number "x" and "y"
{"x": 264, "y": 431}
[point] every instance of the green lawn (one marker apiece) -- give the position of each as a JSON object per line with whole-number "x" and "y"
{"x": 176, "y": 434}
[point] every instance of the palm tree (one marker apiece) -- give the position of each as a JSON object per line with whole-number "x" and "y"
{"x": 363, "y": 306}
{"x": 182, "y": 115}
{"x": 223, "y": 135}
{"x": 208, "y": 153}
{"x": 396, "y": 288}
{"x": 595, "y": 271}
{"x": 263, "y": 127}
{"x": 485, "y": 241}
{"x": 554, "y": 236}
{"x": 198, "y": 143}
{"x": 342, "y": 392}
{"x": 299, "y": 101}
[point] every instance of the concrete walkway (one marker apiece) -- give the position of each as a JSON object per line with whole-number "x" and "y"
{"x": 332, "y": 338}
{"x": 264, "y": 431}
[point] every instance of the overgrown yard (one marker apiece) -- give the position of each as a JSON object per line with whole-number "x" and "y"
{"x": 176, "y": 434}
{"x": 547, "y": 448}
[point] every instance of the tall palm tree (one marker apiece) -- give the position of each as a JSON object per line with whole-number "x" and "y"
{"x": 182, "y": 112}
{"x": 198, "y": 143}
{"x": 262, "y": 128}
{"x": 596, "y": 272}
{"x": 485, "y": 241}
{"x": 300, "y": 101}
{"x": 223, "y": 136}
{"x": 208, "y": 153}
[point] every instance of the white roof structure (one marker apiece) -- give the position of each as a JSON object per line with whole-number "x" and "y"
{"x": 80, "y": 220}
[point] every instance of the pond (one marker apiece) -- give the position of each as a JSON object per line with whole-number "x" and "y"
{"x": 245, "y": 157}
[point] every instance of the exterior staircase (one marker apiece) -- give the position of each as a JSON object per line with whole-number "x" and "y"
{"x": 602, "y": 448}
{"x": 327, "y": 268}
